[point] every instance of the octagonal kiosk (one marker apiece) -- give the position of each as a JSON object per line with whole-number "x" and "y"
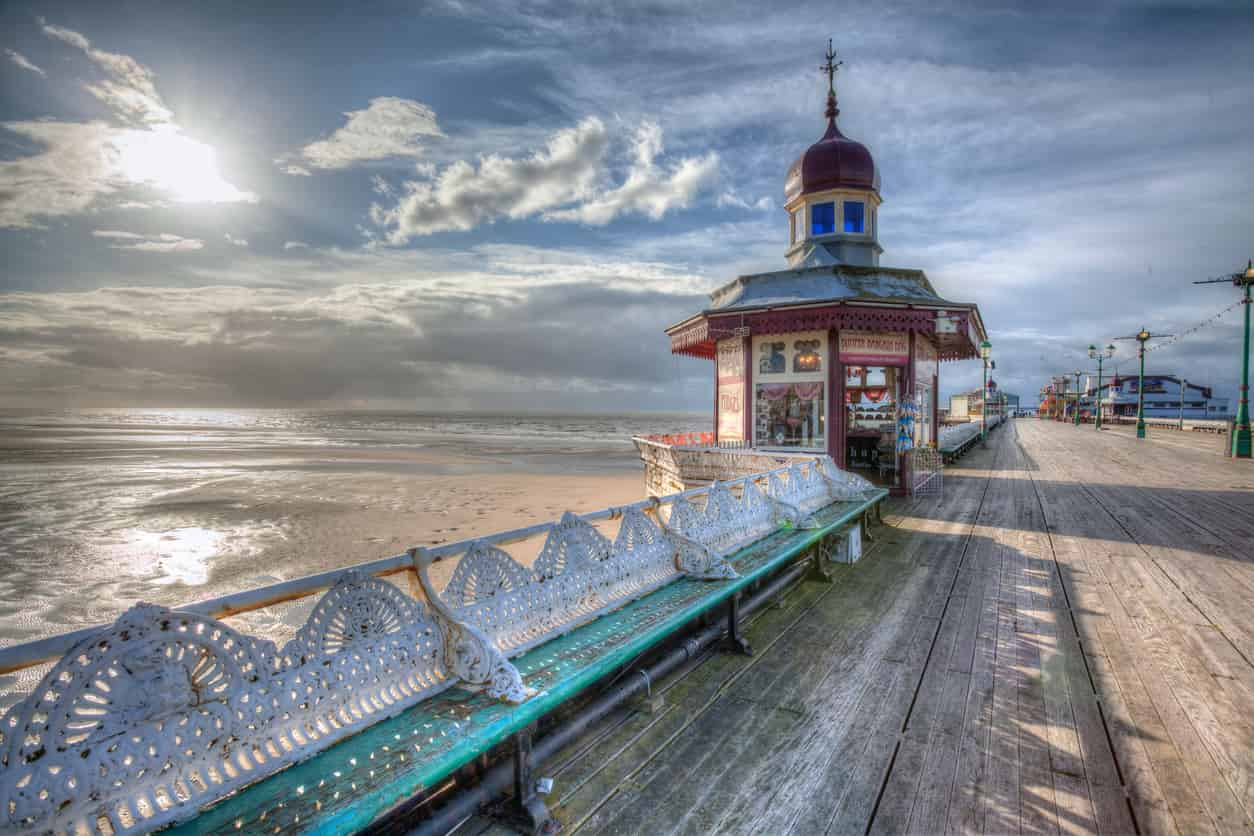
{"x": 836, "y": 354}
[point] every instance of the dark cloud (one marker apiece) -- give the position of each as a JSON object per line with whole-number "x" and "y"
{"x": 430, "y": 343}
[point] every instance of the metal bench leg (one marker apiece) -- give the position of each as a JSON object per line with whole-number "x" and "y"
{"x": 866, "y": 527}
{"x": 526, "y": 810}
{"x": 736, "y": 643}
{"x": 820, "y": 557}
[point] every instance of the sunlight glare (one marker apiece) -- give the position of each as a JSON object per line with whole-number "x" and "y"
{"x": 165, "y": 158}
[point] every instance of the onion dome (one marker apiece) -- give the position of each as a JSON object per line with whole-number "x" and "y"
{"x": 835, "y": 161}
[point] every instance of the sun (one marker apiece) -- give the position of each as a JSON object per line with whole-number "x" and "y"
{"x": 165, "y": 158}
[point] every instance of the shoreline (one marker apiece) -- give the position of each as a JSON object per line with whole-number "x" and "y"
{"x": 185, "y": 525}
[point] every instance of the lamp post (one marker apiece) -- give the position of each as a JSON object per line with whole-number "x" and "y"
{"x": 1241, "y": 437}
{"x": 1077, "y": 397}
{"x": 986, "y": 351}
{"x": 1241, "y": 440}
{"x": 1099, "y": 355}
{"x": 1180, "y": 425}
{"x": 1141, "y": 337}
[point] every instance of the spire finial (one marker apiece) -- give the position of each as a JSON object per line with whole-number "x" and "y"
{"x": 830, "y": 68}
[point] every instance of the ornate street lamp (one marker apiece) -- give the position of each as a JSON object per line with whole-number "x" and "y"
{"x": 1241, "y": 436}
{"x": 1100, "y": 354}
{"x": 986, "y": 351}
{"x": 1077, "y": 397}
{"x": 1141, "y": 337}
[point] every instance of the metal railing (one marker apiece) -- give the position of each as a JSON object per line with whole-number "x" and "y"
{"x": 699, "y": 439}
{"x": 29, "y": 654}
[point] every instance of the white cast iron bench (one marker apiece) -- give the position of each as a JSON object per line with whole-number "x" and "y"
{"x": 173, "y": 718}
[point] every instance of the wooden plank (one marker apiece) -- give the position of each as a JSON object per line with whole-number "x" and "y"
{"x": 587, "y": 781}
{"x": 966, "y": 810}
{"x": 683, "y": 694}
{"x": 1035, "y": 651}
{"x": 1178, "y": 578}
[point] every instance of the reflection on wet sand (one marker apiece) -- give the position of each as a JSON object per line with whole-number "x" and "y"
{"x": 109, "y": 509}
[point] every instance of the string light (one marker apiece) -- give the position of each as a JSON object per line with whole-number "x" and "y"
{"x": 1211, "y": 320}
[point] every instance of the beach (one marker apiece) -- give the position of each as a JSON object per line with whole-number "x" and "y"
{"x": 101, "y": 509}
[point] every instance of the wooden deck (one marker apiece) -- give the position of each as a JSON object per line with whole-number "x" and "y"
{"x": 1063, "y": 643}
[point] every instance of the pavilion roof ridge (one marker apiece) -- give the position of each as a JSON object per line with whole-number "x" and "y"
{"x": 828, "y": 283}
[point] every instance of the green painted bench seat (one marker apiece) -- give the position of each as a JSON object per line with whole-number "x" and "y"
{"x": 353, "y": 783}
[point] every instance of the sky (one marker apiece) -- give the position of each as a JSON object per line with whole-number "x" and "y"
{"x": 500, "y": 206}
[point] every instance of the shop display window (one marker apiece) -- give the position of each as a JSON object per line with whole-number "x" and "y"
{"x": 771, "y": 358}
{"x": 807, "y": 356}
{"x": 790, "y": 415}
{"x": 871, "y": 418}
{"x": 790, "y": 391}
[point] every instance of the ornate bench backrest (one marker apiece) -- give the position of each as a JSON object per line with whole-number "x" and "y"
{"x": 579, "y": 575}
{"x": 163, "y": 711}
{"x": 843, "y": 486}
{"x": 725, "y": 524}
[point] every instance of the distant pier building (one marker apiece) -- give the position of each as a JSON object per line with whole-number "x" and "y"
{"x": 1165, "y": 397}
{"x": 969, "y": 406}
{"x": 837, "y": 354}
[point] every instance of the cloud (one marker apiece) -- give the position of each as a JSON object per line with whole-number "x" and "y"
{"x": 165, "y": 242}
{"x": 76, "y": 164}
{"x": 558, "y": 182}
{"x": 23, "y": 62}
{"x": 79, "y": 163}
{"x": 730, "y": 197}
{"x": 295, "y": 245}
{"x": 463, "y": 196}
{"x": 352, "y": 326}
{"x": 388, "y": 127}
{"x": 238, "y": 242}
{"x": 647, "y": 190}
{"x": 129, "y": 91}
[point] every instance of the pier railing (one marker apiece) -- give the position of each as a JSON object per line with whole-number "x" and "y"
{"x": 679, "y": 461}
{"x": 698, "y": 439}
{"x": 1218, "y": 426}
{"x": 399, "y": 568}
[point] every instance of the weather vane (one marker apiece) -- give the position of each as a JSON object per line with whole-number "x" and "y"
{"x": 830, "y": 67}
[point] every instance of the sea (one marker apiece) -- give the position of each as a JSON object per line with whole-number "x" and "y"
{"x": 100, "y": 508}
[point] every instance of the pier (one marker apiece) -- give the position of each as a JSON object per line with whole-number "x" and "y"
{"x": 1063, "y": 642}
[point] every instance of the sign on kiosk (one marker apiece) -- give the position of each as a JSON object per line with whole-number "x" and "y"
{"x": 874, "y": 348}
{"x": 730, "y": 359}
{"x": 926, "y": 365}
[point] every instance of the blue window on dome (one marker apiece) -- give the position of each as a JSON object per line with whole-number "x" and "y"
{"x": 853, "y": 216}
{"x": 822, "y": 218}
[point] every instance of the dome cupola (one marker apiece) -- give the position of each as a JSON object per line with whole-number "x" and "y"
{"x": 832, "y": 195}
{"x": 834, "y": 162}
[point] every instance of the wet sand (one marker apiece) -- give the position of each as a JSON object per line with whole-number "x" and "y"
{"x": 102, "y": 509}
{"x": 84, "y": 539}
